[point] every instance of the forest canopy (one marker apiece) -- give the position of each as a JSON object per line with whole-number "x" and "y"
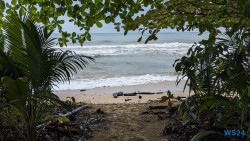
{"x": 182, "y": 15}
{"x": 217, "y": 69}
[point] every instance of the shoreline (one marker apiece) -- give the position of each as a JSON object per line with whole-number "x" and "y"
{"x": 104, "y": 95}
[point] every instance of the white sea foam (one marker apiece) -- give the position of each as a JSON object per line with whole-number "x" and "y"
{"x": 133, "y": 50}
{"x": 114, "y": 81}
{"x": 111, "y": 50}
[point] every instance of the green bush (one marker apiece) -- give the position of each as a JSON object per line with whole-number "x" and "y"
{"x": 219, "y": 75}
{"x": 29, "y": 69}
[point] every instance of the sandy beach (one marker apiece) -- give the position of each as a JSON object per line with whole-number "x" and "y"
{"x": 104, "y": 95}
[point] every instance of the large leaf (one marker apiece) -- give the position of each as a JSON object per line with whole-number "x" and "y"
{"x": 31, "y": 49}
{"x": 15, "y": 89}
{"x": 204, "y": 134}
{"x": 1, "y": 42}
{"x": 17, "y": 92}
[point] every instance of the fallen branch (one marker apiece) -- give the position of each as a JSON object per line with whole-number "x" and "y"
{"x": 128, "y": 99}
{"x": 180, "y": 98}
{"x": 157, "y": 107}
{"x": 115, "y": 95}
{"x": 74, "y": 111}
{"x": 64, "y": 115}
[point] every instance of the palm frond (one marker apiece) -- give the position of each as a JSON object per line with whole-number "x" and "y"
{"x": 32, "y": 50}
{"x": 1, "y": 42}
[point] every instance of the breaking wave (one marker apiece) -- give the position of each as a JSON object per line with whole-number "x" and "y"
{"x": 175, "y": 48}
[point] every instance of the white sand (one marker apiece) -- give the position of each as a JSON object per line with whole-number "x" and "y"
{"x": 104, "y": 95}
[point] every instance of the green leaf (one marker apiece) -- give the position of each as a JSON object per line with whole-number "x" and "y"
{"x": 99, "y": 1}
{"x": 178, "y": 67}
{"x": 13, "y": 2}
{"x": 126, "y": 32}
{"x": 69, "y": 2}
{"x": 202, "y": 135}
{"x": 93, "y": 11}
{"x": 90, "y": 22}
{"x": 33, "y": 9}
{"x": 131, "y": 2}
{"x": 15, "y": 88}
{"x": 88, "y": 37}
{"x": 108, "y": 19}
{"x": 99, "y": 5}
{"x": 73, "y": 34}
{"x": 139, "y": 40}
{"x": 16, "y": 91}
{"x": 99, "y": 24}
{"x": 61, "y": 22}
{"x": 62, "y": 119}
{"x": 248, "y": 91}
{"x": 22, "y": 11}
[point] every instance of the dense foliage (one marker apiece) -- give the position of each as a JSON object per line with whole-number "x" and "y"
{"x": 183, "y": 15}
{"x": 30, "y": 68}
{"x": 217, "y": 68}
{"x": 83, "y": 14}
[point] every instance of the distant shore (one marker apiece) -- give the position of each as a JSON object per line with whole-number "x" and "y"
{"x": 104, "y": 95}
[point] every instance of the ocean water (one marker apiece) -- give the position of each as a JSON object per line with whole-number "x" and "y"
{"x": 120, "y": 60}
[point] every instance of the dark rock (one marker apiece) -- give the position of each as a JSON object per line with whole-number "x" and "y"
{"x": 140, "y": 96}
{"x": 120, "y": 93}
{"x": 72, "y": 118}
{"x": 99, "y": 111}
{"x": 128, "y": 99}
{"x": 117, "y": 94}
{"x": 82, "y": 90}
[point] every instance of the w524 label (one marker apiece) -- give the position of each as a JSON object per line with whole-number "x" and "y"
{"x": 229, "y": 132}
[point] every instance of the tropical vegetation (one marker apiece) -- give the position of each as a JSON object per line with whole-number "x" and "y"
{"x": 217, "y": 68}
{"x": 30, "y": 67}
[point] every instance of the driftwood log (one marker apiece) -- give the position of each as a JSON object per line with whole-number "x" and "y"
{"x": 180, "y": 98}
{"x": 145, "y": 93}
{"x": 115, "y": 95}
{"x": 130, "y": 94}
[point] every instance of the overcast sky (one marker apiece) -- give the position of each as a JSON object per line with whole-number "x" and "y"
{"x": 107, "y": 28}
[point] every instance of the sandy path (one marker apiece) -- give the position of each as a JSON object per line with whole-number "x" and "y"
{"x": 124, "y": 119}
{"x": 125, "y": 122}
